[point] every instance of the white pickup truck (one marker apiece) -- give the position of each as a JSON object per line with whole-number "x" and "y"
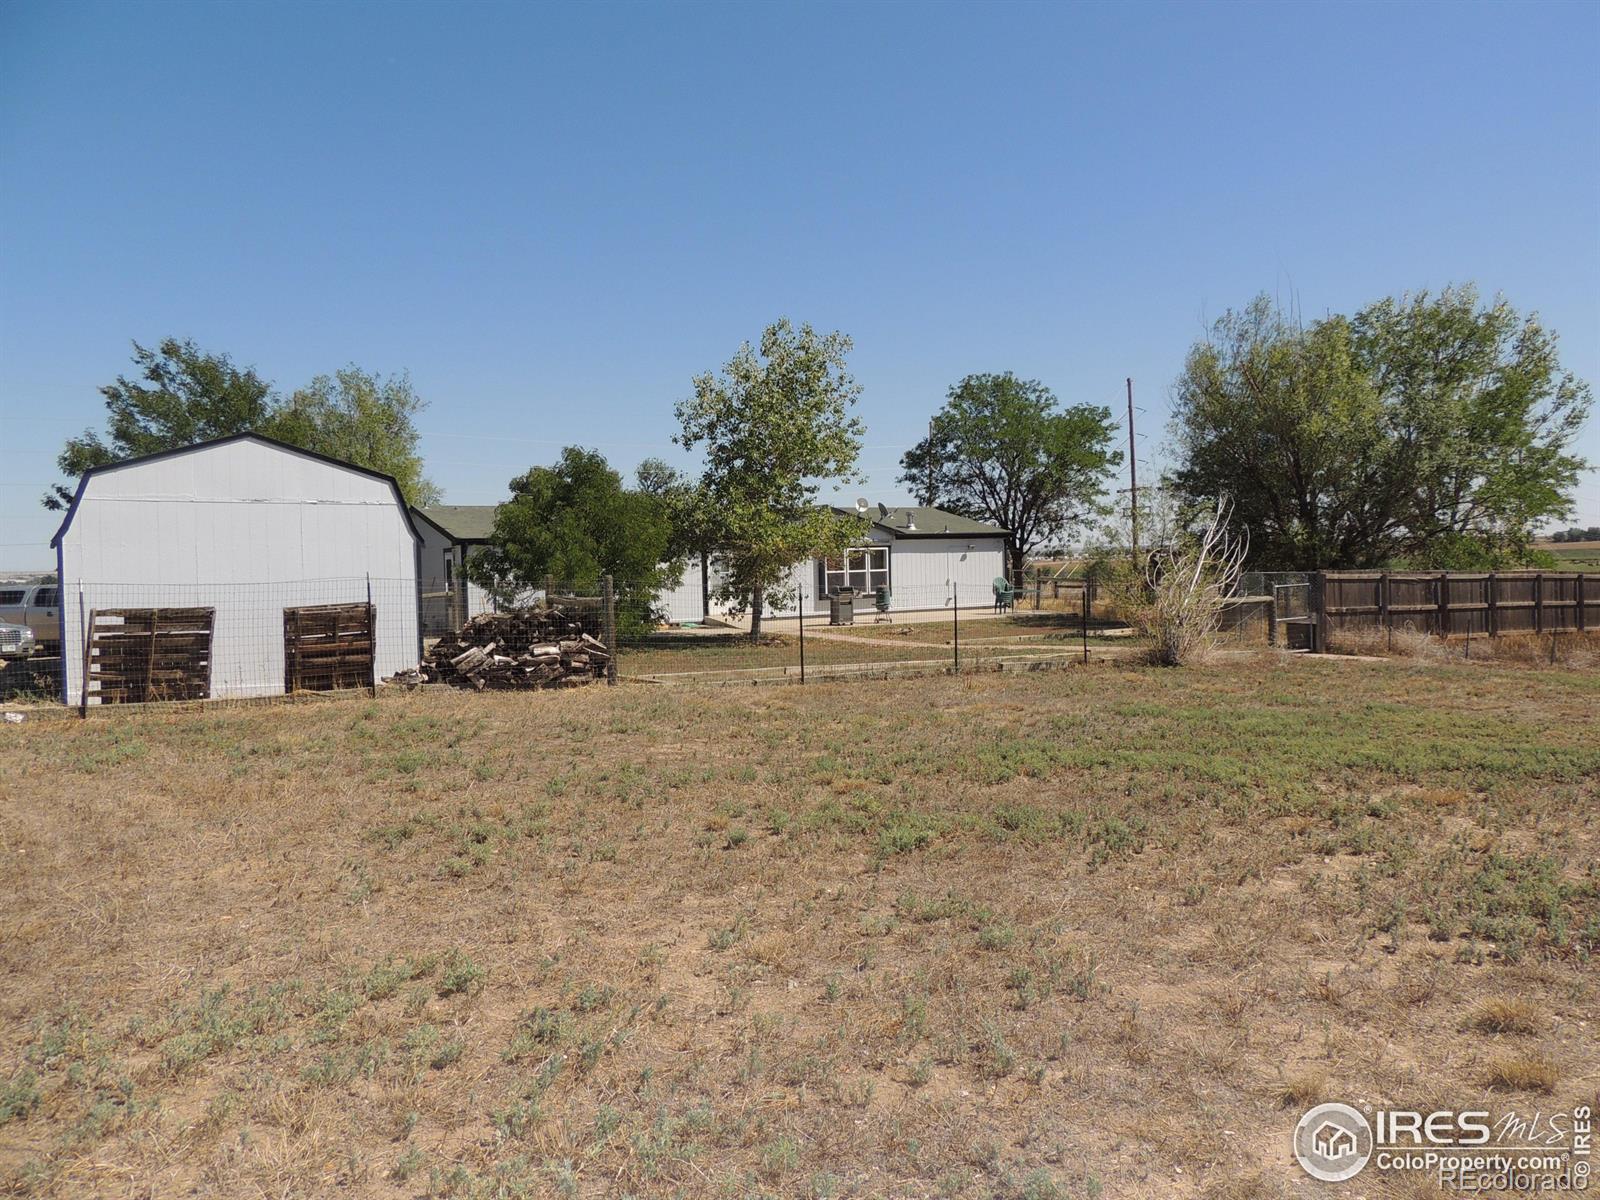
{"x": 35, "y": 605}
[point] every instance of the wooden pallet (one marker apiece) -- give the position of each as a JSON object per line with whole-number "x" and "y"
{"x": 138, "y": 655}
{"x": 327, "y": 647}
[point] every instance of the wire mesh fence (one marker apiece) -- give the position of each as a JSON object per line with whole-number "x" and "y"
{"x": 144, "y": 643}
{"x": 131, "y": 643}
{"x": 800, "y": 634}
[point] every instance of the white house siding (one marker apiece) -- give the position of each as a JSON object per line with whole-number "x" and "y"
{"x": 247, "y": 528}
{"x": 921, "y": 572}
{"x": 437, "y": 610}
{"x": 683, "y": 600}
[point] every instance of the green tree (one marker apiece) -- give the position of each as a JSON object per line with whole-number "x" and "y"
{"x": 1003, "y": 450}
{"x": 574, "y": 523}
{"x": 361, "y": 418}
{"x": 1430, "y": 431}
{"x": 182, "y": 395}
{"x": 774, "y": 423}
{"x": 179, "y": 396}
{"x": 691, "y": 514}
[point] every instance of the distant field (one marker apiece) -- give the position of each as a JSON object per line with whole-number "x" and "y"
{"x": 1098, "y": 932}
{"x": 1576, "y": 556}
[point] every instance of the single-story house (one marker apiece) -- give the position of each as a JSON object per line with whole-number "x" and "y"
{"x": 451, "y": 533}
{"x": 236, "y": 567}
{"x": 926, "y": 557}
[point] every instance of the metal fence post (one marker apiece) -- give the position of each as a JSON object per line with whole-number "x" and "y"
{"x": 611, "y": 633}
{"x": 1316, "y": 602}
{"x": 802, "y": 622}
{"x": 83, "y": 683}
{"x": 955, "y": 624}
{"x": 372, "y": 638}
{"x": 1085, "y": 624}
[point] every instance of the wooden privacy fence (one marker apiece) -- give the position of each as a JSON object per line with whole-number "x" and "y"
{"x": 1453, "y": 603}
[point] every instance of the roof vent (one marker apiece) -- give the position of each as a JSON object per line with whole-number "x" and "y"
{"x": 911, "y": 523}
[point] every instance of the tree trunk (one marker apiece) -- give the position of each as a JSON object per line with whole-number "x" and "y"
{"x": 1019, "y": 560}
{"x": 756, "y": 598}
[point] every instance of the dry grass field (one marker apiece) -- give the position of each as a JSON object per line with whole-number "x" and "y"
{"x": 1101, "y": 932}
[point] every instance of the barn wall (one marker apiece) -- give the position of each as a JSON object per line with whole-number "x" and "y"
{"x": 248, "y": 529}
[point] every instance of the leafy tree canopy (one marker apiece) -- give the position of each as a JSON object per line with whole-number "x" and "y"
{"x": 360, "y": 418}
{"x": 574, "y": 523}
{"x": 688, "y": 508}
{"x": 774, "y": 424}
{"x": 181, "y": 395}
{"x": 1426, "y": 430}
{"x": 1003, "y": 450}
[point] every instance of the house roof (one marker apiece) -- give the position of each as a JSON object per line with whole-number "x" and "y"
{"x": 462, "y": 522}
{"x": 83, "y": 480}
{"x": 919, "y": 521}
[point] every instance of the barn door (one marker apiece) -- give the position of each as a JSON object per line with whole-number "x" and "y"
{"x": 327, "y": 647}
{"x": 142, "y": 654}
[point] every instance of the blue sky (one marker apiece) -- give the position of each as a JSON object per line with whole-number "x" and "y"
{"x": 553, "y": 217}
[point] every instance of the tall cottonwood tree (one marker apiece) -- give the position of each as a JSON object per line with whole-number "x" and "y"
{"x": 1425, "y": 430}
{"x": 774, "y": 424}
{"x": 181, "y": 395}
{"x": 178, "y": 395}
{"x": 359, "y": 417}
{"x": 1004, "y": 450}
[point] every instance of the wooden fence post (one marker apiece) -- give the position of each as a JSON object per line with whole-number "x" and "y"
{"x": 610, "y": 631}
{"x": 1444, "y": 604}
{"x": 1581, "y": 626}
{"x": 1538, "y": 602}
{"x": 1494, "y": 599}
{"x": 1319, "y": 617}
{"x": 1383, "y": 599}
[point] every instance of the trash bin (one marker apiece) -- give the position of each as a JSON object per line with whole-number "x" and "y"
{"x": 842, "y": 607}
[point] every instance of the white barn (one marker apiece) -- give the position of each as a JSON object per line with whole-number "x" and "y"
{"x": 238, "y": 567}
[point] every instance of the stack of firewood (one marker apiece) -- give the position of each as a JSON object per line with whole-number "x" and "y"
{"x": 524, "y": 648}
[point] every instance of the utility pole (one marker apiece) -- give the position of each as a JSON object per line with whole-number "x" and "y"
{"x": 929, "y": 499}
{"x": 1133, "y": 477}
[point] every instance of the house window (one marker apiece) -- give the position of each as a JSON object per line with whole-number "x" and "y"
{"x": 864, "y": 568}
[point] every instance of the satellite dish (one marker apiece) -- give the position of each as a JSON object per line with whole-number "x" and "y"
{"x": 861, "y": 504}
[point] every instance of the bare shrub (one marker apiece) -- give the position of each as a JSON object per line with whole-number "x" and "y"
{"x": 1185, "y": 588}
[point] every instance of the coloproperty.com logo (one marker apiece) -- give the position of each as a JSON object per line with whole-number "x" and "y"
{"x": 1467, "y": 1151}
